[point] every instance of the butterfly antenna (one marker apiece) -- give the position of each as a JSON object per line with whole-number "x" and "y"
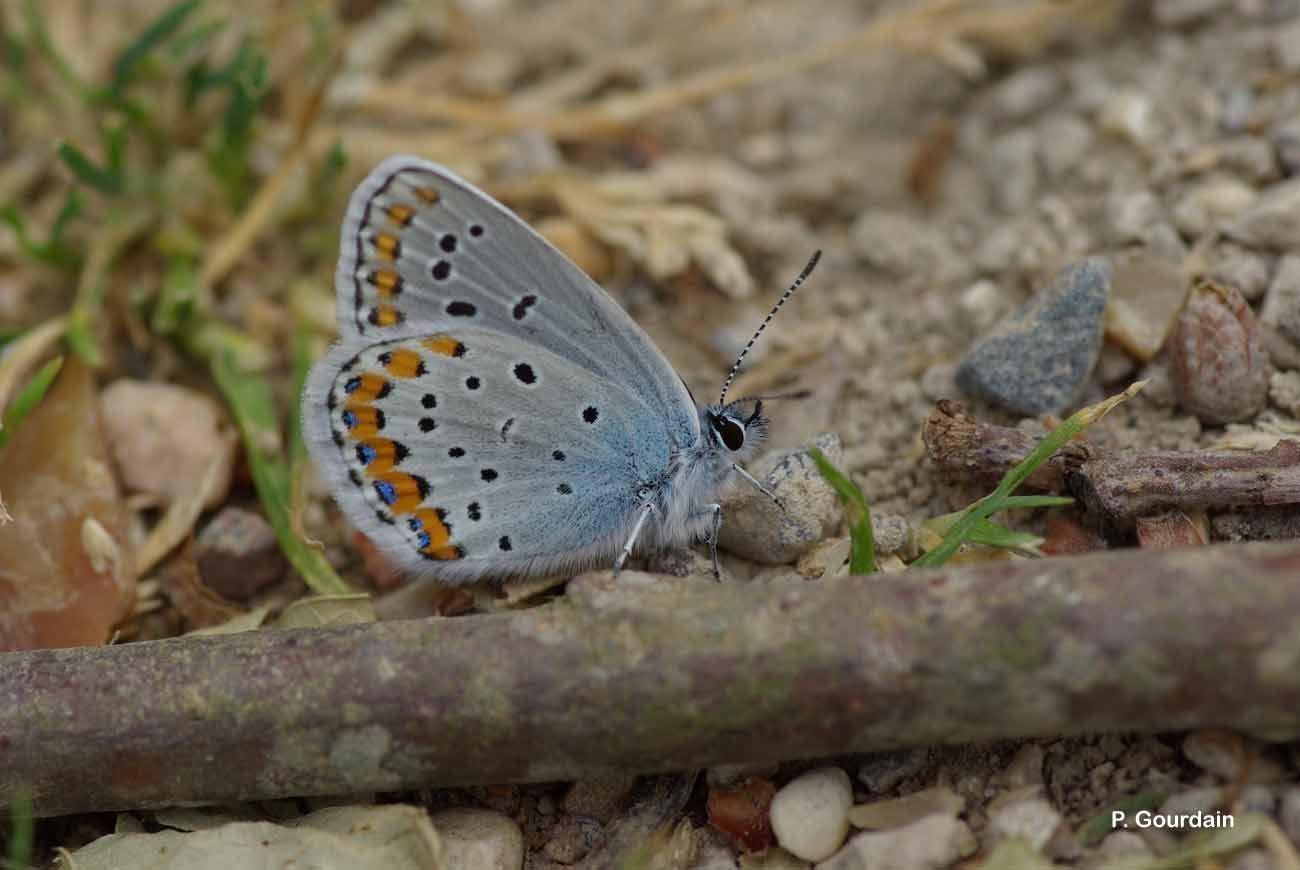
{"x": 803, "y": 276}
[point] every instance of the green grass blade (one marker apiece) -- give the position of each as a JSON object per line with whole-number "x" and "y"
{"x": 22, "y": 830}
{"x": 52, "y": 251}
{"x": 150, "y": 38}
{"x": 250, "y": 399}
{"x": 29, "y": 397}
{"x": 862, "y": 542}
{"x": 102, "y": 179}
{"x": 1096, "y": 828}
{"x": 998, "y": 499}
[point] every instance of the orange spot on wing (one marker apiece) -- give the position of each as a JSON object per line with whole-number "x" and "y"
{"x": 402, "y": 363}
{"x": 370, "y": 388}
{"x": 443, "y": 345}
{"x": 407, "y": 490}
{"x": 386, "y": 281}
{"x": 439, "y": 534}
{"x": 429, "y": 194}
{"x": 367, "y": 422}
{"x": 385, "y": 315}
{"x": 385, "y": 455}
{"x": 388, "y": 246}
{"x": 400, "y": 214}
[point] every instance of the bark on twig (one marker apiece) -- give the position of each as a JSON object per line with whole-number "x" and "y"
{"x": 968, "y": 448}
{"x": 1118, "y": 486}
{"x": 640, "y": 676}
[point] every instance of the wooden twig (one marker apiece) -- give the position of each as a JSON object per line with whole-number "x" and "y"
{"x": 982, "y": 452}
{"x": 1118, "y": 486}
{"x": 647, "y": 674}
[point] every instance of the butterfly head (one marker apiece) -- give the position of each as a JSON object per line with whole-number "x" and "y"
{"x": 736, "y": 429}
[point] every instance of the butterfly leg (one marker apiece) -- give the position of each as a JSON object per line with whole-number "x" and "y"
{"x": 713, "y": 539}
{"x": 631, "y": 539}
{"x": 753, "y": 481}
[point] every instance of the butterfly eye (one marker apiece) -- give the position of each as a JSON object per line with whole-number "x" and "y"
{"x": 731, "y": 433}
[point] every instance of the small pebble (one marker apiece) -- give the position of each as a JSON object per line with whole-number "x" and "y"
{"x": 1130, "y": 215}
{"x": 1173, "y": 13}
{"x": 238, "y": 554}
{"x": 1223, "y": 753}
{"x": 1274, "y": 523}
{"x": 757, "y": 529}
{"x": 1033, "y": 819}
{"x": 1146, "y": 293}
{"x": 1025, "y": 768}
{"x": 1219, "y": 367}
{"x": 1286, "y": 142}
{"x": 601, "y": 799}
{"x": 1025, "y": 92}
{"x": 1286, "y": 46}
{"x": 1064, "y": 140}
{"x": 1284, "y": 392}
{"x": 1130, "y": 114}
{"x": 1281, "y": 310}
{"x": 983, "y": 303}
{"x": 1273, "y": 221}
{"x": 1010, "y": 168}
{"x": 1289, "y": 813}
{"x": 934, "y": 842}
{"x": 1247, "y": 270}
{"x": 905, "y": 246}
{"x": 883, "y": 772}
{"x": 1123, "y": 843}
{"x": 164, "y": 438}
{"x": 901, "y": 811}
{"x": 1194, "y": 801}
{"x": 481, "y": 839}
{"x": 570, "y": 839}
{"x": 1207, "y": 204}
{"x": 1037, "y": 359}
{"x": 810, "y": 814}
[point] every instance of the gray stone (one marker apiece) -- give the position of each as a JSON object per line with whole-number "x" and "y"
{"x": 1025, "y": 93}
{"x": 1242, "y": 268}
{"x": 1289, "y": 813}
{"x": 1251, "y": 156}
{"x": 905, "y": 246}
{"x": 883, "y": 772}
{"x": 1120, "y": 843}
{"x": 757, "y": 529}
{"x": 1037, "y": 359}
{"x": 1205, "y": 205}
{"x": 1273, "y": 220}
{"x": 1286, "y": 141}
{"x": 1011, "y": 170}
{"x": 1063, "y": 141}
{"x": 1281, "y": 310}
{"x": 480, "y": 839}
{"x": 1131, "y": 214}
{"x": 928, "y": 844}
{"x": 600, "y": 798}
{"x": 1286, "y": 46}
{"x": 1177, "y": 12}
{"x": 1033, "y": 819}
{"x": 238, "y": 554}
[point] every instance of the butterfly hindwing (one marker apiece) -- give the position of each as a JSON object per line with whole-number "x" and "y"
{"x": 471, "y": 455}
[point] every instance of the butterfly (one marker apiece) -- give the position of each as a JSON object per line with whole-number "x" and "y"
{"x": 489, "y": 413}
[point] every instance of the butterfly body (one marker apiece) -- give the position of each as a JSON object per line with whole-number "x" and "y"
{"x": 489, "y": 412}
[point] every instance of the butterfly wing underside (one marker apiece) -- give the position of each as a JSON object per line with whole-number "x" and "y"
{"x": 489, "y": 411}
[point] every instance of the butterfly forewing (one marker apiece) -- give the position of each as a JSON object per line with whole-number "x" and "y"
{"x": 423, "y": 249}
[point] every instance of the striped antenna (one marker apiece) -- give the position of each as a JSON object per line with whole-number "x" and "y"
{"x": 735, "y": 368}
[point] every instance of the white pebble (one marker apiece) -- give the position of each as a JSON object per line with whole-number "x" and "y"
{"x": 482, "y": 839}
{"x": 810, "y": 815}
